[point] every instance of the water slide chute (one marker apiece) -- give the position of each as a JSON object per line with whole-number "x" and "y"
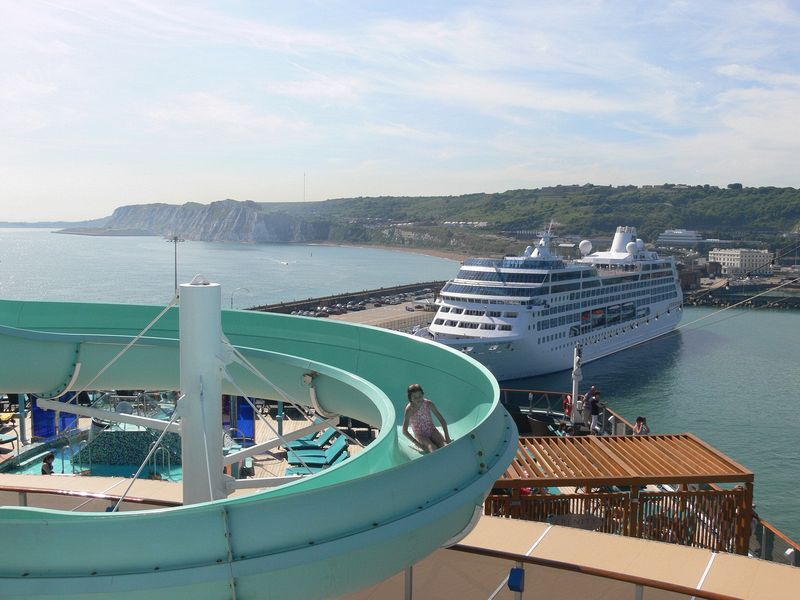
{"x": 319, "y": 537}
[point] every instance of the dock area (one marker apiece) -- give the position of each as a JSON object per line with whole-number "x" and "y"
{"x": 767, "y": 292}
{"x": 363, "y": 296}
{"x": 397, "y": 317}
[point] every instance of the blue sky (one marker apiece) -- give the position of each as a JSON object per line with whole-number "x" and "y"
{"x": 104, "y": 104}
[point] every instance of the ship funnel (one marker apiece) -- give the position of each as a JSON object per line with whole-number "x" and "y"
{"x": 621, "y": 239}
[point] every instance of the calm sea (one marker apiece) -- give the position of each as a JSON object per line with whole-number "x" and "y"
{"x": 732, "y": 379}
{"x": 37, "y": 264}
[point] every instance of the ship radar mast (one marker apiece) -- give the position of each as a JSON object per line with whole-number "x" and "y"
{"x": 542, "y": 249}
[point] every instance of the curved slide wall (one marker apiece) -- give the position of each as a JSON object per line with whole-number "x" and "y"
{"x": 322, "y": 536}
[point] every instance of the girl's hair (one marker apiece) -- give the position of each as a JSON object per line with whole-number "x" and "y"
{"x": 50, "y": 456}
{"x": 414, "y": 387}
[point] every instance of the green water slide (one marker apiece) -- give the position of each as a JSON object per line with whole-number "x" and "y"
{"x": 321, "y": 536}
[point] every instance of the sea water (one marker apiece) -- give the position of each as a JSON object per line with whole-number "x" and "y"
{"x": 37, "y": 264}
{"x": 733, "y": 378}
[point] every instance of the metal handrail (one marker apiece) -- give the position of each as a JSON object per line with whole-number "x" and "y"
{"x": 534, "y": 391}
{"x": 166, "y": 461}
{"x": 594, "y": 571}
{"x": 84, "y": 445}
{"x": 779, "y": 534}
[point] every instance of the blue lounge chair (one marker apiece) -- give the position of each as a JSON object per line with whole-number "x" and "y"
{"x": 317, "y": 458}
{"x": 309, "y": 443}
{"x": 300, "y": 470}
{"x": 9, "y": 438}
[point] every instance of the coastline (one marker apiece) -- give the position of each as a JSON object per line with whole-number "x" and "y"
{"x": 448, "y": 254}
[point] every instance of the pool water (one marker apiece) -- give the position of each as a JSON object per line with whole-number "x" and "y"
{"x": 33, "y": 466}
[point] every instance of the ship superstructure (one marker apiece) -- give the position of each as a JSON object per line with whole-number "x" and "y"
{"x": 522, "y": 316}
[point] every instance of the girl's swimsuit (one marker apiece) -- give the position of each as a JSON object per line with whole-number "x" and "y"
{"x": 422, "y": 421}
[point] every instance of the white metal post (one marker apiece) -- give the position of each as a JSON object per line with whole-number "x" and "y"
{"x": 576, "y": 415}
{"x": 201, "y": 384}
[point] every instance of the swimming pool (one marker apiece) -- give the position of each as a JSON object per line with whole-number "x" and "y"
{"x": 63, "y": 464}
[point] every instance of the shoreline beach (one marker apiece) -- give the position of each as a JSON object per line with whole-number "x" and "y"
{"x": 448, "y": 254}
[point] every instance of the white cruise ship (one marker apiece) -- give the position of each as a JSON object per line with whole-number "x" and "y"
{"x": 522, "y": 316}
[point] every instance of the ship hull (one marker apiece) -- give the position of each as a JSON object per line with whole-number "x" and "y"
{"x": 524, "y": 357}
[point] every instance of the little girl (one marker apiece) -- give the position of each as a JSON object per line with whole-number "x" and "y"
{"x": 418, "y": 415}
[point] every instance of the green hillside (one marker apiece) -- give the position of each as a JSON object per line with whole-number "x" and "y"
{"x": 582, "y": 210}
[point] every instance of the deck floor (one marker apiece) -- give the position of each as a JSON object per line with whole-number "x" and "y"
{"x": 268, "y": 464}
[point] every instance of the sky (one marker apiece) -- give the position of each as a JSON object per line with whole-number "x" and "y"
{"x": 104, "y": 104}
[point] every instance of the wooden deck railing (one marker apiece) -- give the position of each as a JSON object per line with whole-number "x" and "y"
{"x": 702, "y": 519}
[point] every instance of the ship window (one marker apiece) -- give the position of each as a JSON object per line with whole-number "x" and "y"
{"x": 438, "y": 321}
{"x": 451, "y": 323}
{"x": 494, "y": 313}
{"x": 456, "y": 311}
{"x": 511, "y": 315}
{"x": 445, "y": 309}
{"x": 504, "y": 327}
{"x": 487, "y": 326}
{"x": 564, "y": 276}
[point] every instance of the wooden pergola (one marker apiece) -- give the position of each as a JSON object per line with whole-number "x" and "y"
{"x": 634, "y": 462}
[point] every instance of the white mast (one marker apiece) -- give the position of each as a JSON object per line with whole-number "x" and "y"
{"x": 201, "y": 383}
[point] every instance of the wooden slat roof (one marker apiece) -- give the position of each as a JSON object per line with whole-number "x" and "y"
{"x": 621, "y": 460}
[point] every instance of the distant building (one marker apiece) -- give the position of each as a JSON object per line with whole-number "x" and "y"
{"x": 740, "y": 261}
{"x": 466, "y": 223}
{"x": 679, "y": 237}
{"x": 690, "y": 280}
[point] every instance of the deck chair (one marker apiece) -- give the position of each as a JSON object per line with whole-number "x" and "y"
{"x": 309, "y": 470}
{"x": 9, "y": 437}
{"x": 311, "y": 443}
{"x": 316, "y": 458}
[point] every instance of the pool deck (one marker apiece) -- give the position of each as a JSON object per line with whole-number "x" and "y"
{"x": 160, "y": 493}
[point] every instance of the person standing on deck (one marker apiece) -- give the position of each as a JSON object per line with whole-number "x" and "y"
{"x": 594, "y": 411}
{"x": 641, "y": 427}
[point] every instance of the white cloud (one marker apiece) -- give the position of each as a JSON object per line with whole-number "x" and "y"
{"x": 207, "y": 111}
{"x": 347, "y": 90}
{"x": 400, "y": 130}
{"x": 749, "y": 73}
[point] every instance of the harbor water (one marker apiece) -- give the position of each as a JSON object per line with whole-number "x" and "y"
{"x": 733, "y": 378}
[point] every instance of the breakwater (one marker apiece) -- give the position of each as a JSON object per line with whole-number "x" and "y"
{"x": 362, "y": 296}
